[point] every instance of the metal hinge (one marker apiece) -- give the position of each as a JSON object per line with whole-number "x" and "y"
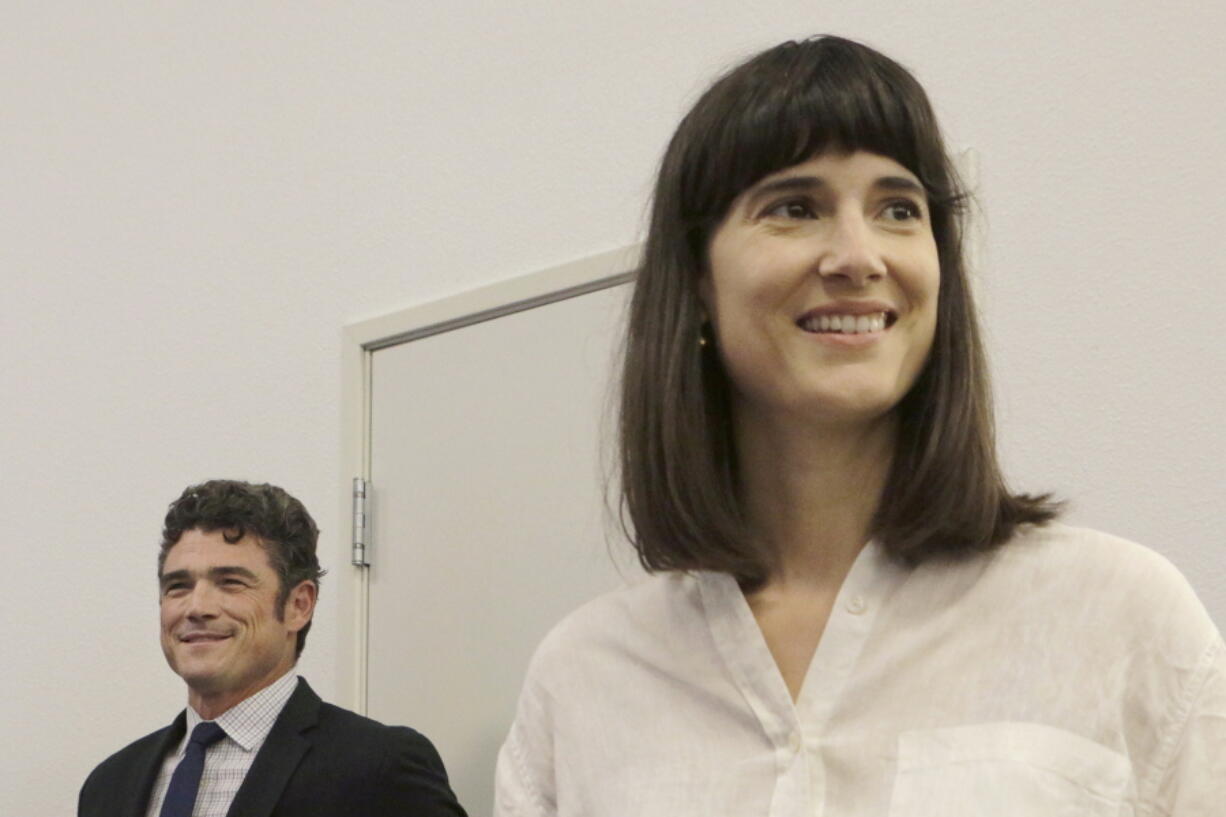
{"x": 360, "y": 487}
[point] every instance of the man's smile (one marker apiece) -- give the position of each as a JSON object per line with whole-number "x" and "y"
{"x": 202, "y": 637}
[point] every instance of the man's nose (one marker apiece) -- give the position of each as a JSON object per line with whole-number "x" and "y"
{"x": 202, "y": 601}
{"x": 850, "y": 252}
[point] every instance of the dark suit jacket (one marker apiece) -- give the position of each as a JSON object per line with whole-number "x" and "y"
{"x": 319, "y": 761}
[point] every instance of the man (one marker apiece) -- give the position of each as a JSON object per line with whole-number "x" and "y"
{"x": 239, "y": 578}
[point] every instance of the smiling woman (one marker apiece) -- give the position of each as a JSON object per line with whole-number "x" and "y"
{"x": 852, "y": 614}
{"x": 742, "y": 173}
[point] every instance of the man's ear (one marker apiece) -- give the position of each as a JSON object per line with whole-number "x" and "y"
{"x": 300, "y": 605}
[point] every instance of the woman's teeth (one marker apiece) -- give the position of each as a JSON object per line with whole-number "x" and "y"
{"x": 846, "y": 324}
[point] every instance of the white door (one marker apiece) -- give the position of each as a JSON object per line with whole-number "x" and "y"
{"x": 489, "y": 519}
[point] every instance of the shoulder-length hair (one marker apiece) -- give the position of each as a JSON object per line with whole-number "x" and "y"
{"x": 945, "y": 492}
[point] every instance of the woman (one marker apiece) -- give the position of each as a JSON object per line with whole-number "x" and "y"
{"x": 851, "y": 615}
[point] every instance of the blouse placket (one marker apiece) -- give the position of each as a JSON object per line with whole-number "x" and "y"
{"x": 797, "y": 731}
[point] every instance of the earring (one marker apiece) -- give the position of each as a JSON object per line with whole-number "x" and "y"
{"x": 702, "y": 335}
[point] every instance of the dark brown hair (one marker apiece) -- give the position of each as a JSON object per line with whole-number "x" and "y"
{"x": 284, "y": 528}
{"x": 945, "y": 492}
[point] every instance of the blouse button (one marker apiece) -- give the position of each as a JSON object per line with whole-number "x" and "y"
{"x": 794, "y": 742}
{"x": 856, "y": 605}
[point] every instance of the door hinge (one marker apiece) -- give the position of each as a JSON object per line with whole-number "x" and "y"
{"x": 360, "y": 487}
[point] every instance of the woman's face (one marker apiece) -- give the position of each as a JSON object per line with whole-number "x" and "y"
{"x": 822, "y": 288}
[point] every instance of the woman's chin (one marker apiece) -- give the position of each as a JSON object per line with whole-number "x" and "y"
{"x": 843, "y": 411}
{"x": 851, "y": 415}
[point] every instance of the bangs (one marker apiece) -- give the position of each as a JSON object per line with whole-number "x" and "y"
{"x": 795, "y": 102}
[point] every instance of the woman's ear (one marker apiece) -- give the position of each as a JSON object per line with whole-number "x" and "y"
{"x": 706, "y": 298}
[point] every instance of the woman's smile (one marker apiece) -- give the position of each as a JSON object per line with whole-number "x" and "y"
{"x": 848, "y": 325}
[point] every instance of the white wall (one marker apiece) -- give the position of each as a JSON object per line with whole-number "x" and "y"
{"x": 196, "y": 197}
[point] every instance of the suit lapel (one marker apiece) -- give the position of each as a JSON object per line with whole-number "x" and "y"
{"x": 135, "y": 802}
{"x": 280, "y": 755}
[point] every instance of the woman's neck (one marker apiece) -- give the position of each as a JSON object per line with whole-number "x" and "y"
{"x": 810, "y": 493}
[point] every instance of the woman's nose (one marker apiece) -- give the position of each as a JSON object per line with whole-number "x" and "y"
{"x": 851, "y": 252}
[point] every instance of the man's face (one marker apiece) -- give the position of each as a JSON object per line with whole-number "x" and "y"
{"x": 221, "y": 629}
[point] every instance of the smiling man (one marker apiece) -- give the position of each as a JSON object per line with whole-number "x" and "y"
{"x": 238, "y": 579}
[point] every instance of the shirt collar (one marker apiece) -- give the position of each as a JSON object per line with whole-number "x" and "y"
{"x": 736, "y": 634}
{"x": 250, "y": 720}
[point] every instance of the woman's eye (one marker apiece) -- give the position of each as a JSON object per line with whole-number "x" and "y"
{"x": 902, "y": 211}
{"x": 792, "y": 209}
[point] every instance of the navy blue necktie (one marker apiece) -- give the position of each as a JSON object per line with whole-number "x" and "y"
{"x": 185, "y": 782}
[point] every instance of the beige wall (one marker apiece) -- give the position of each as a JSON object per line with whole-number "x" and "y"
{"x": 196, "y": 197}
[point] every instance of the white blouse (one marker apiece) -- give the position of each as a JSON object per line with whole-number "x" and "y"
{"x": 1067, "y": 673}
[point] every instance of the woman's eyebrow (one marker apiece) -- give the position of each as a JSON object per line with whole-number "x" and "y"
{"x": 798, "y": 184}
{"x": 900, "y": 183}
{"x": 787, "y": 184}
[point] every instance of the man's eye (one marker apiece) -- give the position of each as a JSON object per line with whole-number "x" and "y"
{"x": 792, "y": 209}
{"x": 172, "y": 589}
{"x": 231, "y": 582}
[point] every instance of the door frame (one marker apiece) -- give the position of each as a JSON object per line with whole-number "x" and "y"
{"x": 361, "y": 339}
